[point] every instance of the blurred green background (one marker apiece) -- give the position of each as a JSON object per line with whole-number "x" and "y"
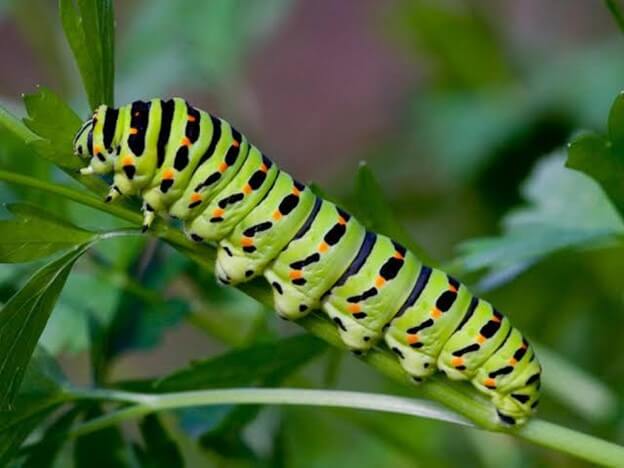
{"x": 461, "y": 109}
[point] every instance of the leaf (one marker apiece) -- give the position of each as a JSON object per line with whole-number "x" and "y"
{"x": 35, "y": 234}
{"x": 616, "y": 12}
{"x": 44, "y": 453}
{"x": 56, "y": 123}
{"x": 160, "y": 448}
{"x": 89, "y": 29}
{"x": 602, "y": 157}
{"x": 105, "y": 448}
{"x": 245, "y": 366}
{"x": 376, "y": 213}
{"x": 565, "y": 209}
{"x": 40, "y": 394}
{"x": 23, "y": 318}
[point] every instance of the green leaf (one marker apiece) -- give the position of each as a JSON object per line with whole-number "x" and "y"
{"x": 56, "y": 123}
{"x": 245, "y": 366}
{"x": 105, "y": 448}
{"x": 160, "y": 449}
{"x": 616, "y": 12}
{"x": 565, "y": 209}
{"x": 23, "y": 318}
{"x": 89, "y": 29}
{"x": 603, "y": 157}
{"x": 375, "y": 211}
{"x": 35, "y": 234}
{"x": 40, "y": 394}
{"x": 44, "y": 453}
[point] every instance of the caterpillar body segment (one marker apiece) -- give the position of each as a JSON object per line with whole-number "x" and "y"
{"x": 196, "y": 167}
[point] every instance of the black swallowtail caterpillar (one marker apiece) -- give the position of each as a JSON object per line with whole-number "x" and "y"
{"x": 201, "y": 170}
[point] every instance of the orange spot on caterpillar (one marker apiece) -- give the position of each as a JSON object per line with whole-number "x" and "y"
{"x": 235, "y": 144}
{"x": 97, "y": 149}
{"x": 191, "y": 118}
{"x": 341, "y": 220}
{"x": 398, "y": 256}
{"x": 436, "y": 313}
{"x": 247, "y": 189}
{"x": 277, "y": 215}
{"x": 323, "y": 247}
{"x": 296, "y": 191}
{"x": 127, "y": 161}
{"x": 495, "y": 319}
{"x": 195, "y": 197}
{"x": 411, "y": 339}
{"x": 295, "y": 274}
{"x": 379, "y": 281}
{"x": 490, "y": 383}
{"x": 452, "y": 288}
{"x": 513, "y": 361}
{"x": 246, "y": 241}
{"x": 222, "y": 167}
{"x": 133, "y": 131}
{"x": 185, "y": 141}
{"x": 354, "y": 308}
{"x": 218, "y": 212}
{"x": 167, "y": 174}
{"x": 264, "y": 168}
{"x": 457, "y": 361}
{"x": 481, "y": 339}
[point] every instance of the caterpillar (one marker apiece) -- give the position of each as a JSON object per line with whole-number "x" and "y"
{"x": 194, "y": 166}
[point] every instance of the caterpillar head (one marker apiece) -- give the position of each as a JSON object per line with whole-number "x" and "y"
{"x": 83, "y": 141}
{"x": 88, "y": 144}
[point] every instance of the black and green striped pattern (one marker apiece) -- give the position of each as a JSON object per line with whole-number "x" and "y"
{"x": 196, "y": 167}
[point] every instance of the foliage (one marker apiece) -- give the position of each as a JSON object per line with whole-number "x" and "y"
{"x": 101, "y": 288}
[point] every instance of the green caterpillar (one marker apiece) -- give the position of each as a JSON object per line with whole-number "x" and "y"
{"x": 199, "y": 169}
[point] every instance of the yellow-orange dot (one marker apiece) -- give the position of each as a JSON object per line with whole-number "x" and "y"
{"x": 398, "y": 256}
{"x": 296, "y": 191}
{"x": 379, "y": 281}
{"x": 235, "y": 144}
{"x": 264, "y": 167}
{"x": 513, "y": 361}
{"x": 457, "y": 361}
{"x": 195, "y": 197}
{"x": 127, "y": 161}
{"x": 223, "y": 166}
{"x": 295, "y": 274}
{"x": 354, "y": 308}
{"x": 246, "y": 241}
{"x": 133, "y": 131}
{"x": 341, "y": 220}
{"x": 411, "y": 339}
{"x": 97, "y": 149}
{"x": 247, "y": 189}
{"x": 167, "y": 174}
{"x": 481, "y": 339}
{"x": 495, "y": 319}
{"x": 218, "y": 212}
{"x": 277, "y": 215}
{"x": 191, "y": 118}
{"x": 186, "y": 141}
{"x": 436, "y": 313}
{"x": 490, "y": 383}
{"x": 323, "y": 247}
{"x": 452, "y": 288}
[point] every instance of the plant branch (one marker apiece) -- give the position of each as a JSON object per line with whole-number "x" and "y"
{"x": 457, "y": 396}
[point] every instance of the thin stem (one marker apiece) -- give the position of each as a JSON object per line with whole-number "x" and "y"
{"x": 457, "y": 396}
{"x": 273, "y": 396}
{"x": 547, "y": 434}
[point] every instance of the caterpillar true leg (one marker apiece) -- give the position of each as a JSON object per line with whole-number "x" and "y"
{"x": 199, "y": 169}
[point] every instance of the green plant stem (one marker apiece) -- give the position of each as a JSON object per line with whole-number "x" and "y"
{"x": 575, "y": 443}
{"x": 458, "y": 396}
